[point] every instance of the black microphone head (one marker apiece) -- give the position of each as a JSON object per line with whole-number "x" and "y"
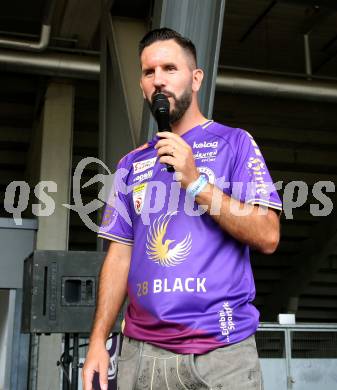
{"x": 160, "y": 102}
{"x": 161, "y": 110}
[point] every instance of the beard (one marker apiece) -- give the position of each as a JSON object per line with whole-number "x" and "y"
{"x": 181, "y": 104}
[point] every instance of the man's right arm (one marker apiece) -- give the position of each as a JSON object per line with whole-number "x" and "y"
{"x": 111, "y": 294}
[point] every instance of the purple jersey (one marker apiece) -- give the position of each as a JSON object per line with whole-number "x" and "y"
{"x": 190, "y": 284}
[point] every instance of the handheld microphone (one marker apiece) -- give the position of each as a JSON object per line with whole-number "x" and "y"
{"x": 161, "y": 111}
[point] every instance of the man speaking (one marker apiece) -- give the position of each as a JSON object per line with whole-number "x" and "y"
{"x": 185, "y": 269}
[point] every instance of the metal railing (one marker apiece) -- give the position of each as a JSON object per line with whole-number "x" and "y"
{"x": 298, "y": 357}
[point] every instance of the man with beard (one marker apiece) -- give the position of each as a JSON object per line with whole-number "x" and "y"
{"x": 190, "y": 320}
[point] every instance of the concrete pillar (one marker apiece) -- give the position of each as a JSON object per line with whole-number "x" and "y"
{"x": 56, "y": 163}
{"x": 120, "y": 97}
{"x": 128, "y": 32}
{"x": 53, "y": 232}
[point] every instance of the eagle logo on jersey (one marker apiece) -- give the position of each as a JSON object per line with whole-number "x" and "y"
{"x": 161, "y": 250}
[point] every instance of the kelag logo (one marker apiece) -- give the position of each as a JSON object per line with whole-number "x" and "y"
{"x": 205, "y": 144}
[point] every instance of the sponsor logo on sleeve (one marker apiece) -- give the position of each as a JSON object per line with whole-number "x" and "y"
{"x": 255, "y": 164}
{"x": 257, "y": 170}
{"x": 141, "y": 166}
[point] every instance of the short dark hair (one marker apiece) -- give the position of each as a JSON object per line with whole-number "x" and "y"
{"x": 164, "y": 34}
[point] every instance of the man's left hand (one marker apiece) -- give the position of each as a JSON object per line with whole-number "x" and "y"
{"x": 173, "y": 150}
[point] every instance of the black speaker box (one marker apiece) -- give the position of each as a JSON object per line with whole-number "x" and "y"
{"x": 59, "y": 291}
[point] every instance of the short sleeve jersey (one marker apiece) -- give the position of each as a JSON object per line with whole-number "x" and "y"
{"x": 190, "y": 284}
